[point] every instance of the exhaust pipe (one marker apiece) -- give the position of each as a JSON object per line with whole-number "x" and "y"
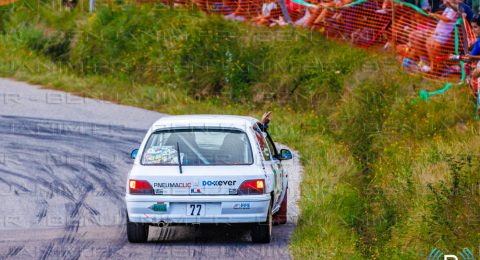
{"x": 162, "y": 224}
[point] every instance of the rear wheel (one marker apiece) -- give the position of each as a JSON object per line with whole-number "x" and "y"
{"x": 137, "y": 232}
{"x": 281, "y": 216}
{"x": 262, "y": 232}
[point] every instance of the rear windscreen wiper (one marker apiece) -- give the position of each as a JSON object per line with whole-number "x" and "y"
{"x": 179, "y": 159}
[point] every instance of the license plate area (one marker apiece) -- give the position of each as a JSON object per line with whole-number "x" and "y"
{"x": 196, "y": 209}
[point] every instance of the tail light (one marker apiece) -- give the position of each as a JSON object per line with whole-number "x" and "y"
{"x": 252, "y": 187}
{"x": 140, "y": 187}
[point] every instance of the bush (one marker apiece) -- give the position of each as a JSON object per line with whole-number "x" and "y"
{"x": 214, "y": 58}
{"x": 455, "y": 201}
{"x": 5, "y": 13}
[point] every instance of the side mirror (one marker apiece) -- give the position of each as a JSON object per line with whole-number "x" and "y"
{"x": 285, "y": 154}
{"x": 134, "y": 153}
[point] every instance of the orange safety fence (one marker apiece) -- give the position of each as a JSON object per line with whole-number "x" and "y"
{"x": 426, "y": 43}
{"x": 7, "y": 2}
{"x": 423, "y": 42}
{"x": 358, "y": 24}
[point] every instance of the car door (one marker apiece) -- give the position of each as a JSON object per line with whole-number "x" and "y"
{"x": 269, "y": 165}
{"x": 277, "y": 168}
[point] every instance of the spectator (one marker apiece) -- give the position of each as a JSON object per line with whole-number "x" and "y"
{"x": 443, "y": 31}
{"x": 298, "y": 13}
{"x": 476, "y": 29}
{"x": 244, "y": 10}
{"x": 321, "y": 12}
{"x": 435, "y": 5}
{"x": 469, "y": 3}
{"x": 339, "y": 5}
{"x": 474, "y": 56}
{"x": 265, "y": 18}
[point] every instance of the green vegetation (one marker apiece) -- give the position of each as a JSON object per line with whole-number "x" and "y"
{"x": 385, "y": 176}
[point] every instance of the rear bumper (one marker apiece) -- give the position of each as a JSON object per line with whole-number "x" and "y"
{"x": 218, "y": 209}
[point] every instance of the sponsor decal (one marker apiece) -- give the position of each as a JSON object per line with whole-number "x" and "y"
{"x": 241, "y": 206}
{"x": 232, "y": 191}
{"x": 159, "y": 206}
{"x": 172, "y": 185}
{"x": 195, "y": 190}
{"x": 218, "y": 183}
{"x": 159, "y": 191}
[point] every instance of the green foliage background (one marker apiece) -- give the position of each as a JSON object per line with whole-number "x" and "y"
{"x": 385, "y": 176}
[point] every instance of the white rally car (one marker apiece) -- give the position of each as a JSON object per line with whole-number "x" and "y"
{"x": 207, "y": 169}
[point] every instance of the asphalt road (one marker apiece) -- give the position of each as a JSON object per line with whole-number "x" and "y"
{"x": 64, "y": 161}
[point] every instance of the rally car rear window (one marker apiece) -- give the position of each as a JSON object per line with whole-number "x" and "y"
{"x": 202, "y": 146}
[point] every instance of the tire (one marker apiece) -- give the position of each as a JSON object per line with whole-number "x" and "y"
{"x": 281, "y": 216}
{"x": 137, "y": 232}
{"x": 262, "y": 232}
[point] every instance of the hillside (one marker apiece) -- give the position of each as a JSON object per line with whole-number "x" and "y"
{"x": 386, "y": 176}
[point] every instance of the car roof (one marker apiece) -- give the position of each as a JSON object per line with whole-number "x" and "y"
{"x": 204, "y": 120}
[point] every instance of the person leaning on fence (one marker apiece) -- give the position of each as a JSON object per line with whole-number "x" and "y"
{"x": 298, "y": 13}
{"x": 444, "y": 29}
{"x": 274, "y": 13}
{"x": 414, "y": 50}
{"x": 314, "y": 13}
{"x": 473, "y": 57}
{"x": 241, "y": 12}
{"x": 321, "y": 12}
{"x": 339, "y": 5}
{"x": 324, "y": 10}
